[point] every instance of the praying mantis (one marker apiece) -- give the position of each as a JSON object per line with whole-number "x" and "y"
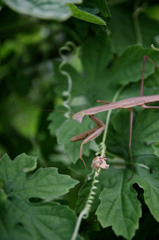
{"x": 93, "y": 133}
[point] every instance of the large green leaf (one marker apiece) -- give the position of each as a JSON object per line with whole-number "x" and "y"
{"x": 57, "y": 10}
{"x": 19, "y": 191}
{"x": 20, "y": 220}
{"x": 45, "y": 183}
{"x": 119, "y": 206}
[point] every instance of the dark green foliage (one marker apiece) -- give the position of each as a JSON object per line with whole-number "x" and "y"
{"x": 37, "y": 201}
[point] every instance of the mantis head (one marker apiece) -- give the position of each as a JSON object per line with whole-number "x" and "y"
{"x": 78, "y": 116}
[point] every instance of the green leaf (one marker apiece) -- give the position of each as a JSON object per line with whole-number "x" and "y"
{"x": 66, "y": 131}
{"x": 45, "y": 183}
{"x": 149, "y": 182}
{"x": 120, "y": 39}
{"x": 127, "y": 33}
{"x": 86, "y": 14}
{"x": 145, "y": 131}
{"x": 102, "y": 5}
{"x": 56, "y": 120}
{"x": 128, "y": 67}
{"x": 119, "y": 206}
{"x": 57, "y": 10}
{"x": 152, "y": 81}
{"x": 19, "y": 190}
{"x": 38, "y": 221}
{"x": 95, "y": 55}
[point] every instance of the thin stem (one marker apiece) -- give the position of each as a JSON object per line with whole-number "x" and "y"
{"x": 85, "y": 212}
{"x": 137, "y": 29}
{"x": 137, "y": 12}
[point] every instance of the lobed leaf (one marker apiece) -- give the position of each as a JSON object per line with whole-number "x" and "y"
{"x": 119, "y": 205}
{"x": 45, "y": 183}
{"x": 39, "y": 221}
{"x": 21, "y": 196}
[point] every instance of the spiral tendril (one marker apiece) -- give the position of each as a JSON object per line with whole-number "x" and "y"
{"x": 69, "y": 46}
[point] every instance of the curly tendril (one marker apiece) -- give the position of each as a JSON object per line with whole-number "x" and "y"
{"x": 69, "y": 47}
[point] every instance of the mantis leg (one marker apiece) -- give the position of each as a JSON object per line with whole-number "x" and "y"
{"x": 89, "y": 135}
{"x": 151, "y": 107}
{"x": 104, "y": 102}
{"x": 130, "y": 143}
{"x": 143, "y": 70}
{"x": 83, "y": 135}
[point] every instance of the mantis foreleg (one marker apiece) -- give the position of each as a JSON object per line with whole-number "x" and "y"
{"x": 151, "y": 107}
{"x": 89, "y": 135}
{"x": 143, "y": 71}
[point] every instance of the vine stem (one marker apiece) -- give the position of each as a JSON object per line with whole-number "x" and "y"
{"x": 85, "y": 212}
{"x": 137, "y": 30}
{"x": 137, "y": 12}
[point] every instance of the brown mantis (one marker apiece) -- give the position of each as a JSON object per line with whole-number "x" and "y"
{"x": 93, "y": 133}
